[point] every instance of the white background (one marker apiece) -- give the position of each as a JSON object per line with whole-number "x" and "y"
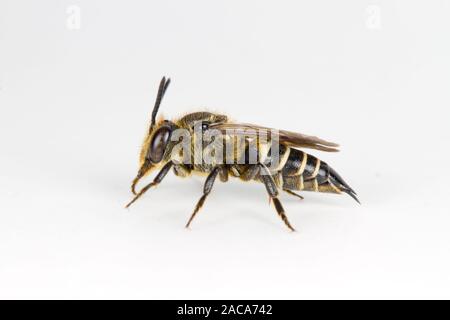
{"x": 75, "y": 104}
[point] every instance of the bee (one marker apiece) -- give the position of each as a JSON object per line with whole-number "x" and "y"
{"x": 278, "y": 166}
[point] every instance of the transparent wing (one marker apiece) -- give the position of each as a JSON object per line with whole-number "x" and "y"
{"x": 289, "y": 138}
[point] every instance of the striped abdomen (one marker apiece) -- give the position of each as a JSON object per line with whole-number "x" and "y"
{"x": 301, "y": 171}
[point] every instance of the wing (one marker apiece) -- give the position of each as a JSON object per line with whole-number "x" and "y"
{"x": 289, "y": 138}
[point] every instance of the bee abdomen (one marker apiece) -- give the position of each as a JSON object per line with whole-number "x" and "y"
{"x": 303, "y": 171}
{"x": 300, "y": 171}
{"x": 294, "y": 163}
{"x": 300, "y": 163}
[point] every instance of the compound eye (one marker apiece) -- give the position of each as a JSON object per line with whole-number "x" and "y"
{"x": 158, "y": 144}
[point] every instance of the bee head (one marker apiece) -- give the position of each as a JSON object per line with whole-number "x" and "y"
{"x": 155, "y": 144}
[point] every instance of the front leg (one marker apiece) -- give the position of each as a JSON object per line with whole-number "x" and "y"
{"x": 182, "y": 170}
{"x": 206, "y": 190}
{"x": 159, "y": 177}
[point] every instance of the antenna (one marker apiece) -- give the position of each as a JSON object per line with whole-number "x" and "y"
{"x": 163, "y": 85}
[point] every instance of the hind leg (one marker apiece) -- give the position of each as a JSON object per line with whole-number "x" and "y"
{"x": 272, "y": 190}
{"x": 292, "y": 193}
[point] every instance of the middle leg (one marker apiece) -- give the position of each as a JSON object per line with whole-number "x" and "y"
{"x": 206, "y": 190}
